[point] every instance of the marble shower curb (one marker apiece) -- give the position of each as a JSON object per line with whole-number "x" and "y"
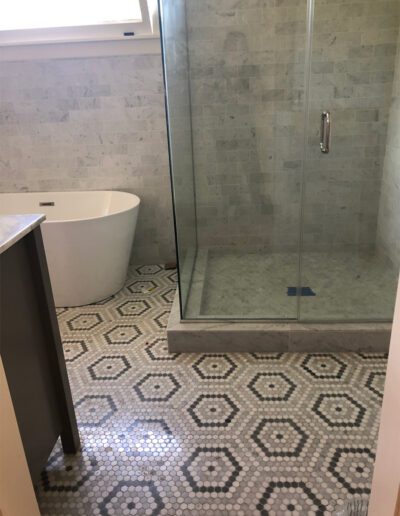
{"x": 226, "y": 336}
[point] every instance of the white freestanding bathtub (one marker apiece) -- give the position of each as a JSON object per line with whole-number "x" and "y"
{"x": 87, "y": 237}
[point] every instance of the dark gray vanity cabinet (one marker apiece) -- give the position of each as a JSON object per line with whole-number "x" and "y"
{"x": 31, "y": 351}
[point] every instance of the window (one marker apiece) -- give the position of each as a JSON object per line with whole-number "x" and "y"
{"x": 25, "y": 22}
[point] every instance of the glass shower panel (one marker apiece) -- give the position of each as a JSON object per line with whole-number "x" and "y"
{"x": 176, "y": 75}
{"x": 246, "y": 67}
{"x": 345, "y": 262}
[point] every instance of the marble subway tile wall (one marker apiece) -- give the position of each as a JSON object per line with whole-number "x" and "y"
{"x": 247, "y": 80}
{"x": 247, "y": 75}
{"x": 353, "y": 62}
{"x": 388, "y": 237}
{"x": 91, "y": 124}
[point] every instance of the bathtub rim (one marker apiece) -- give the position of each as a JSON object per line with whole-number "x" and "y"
{"x": 135, "y": 206}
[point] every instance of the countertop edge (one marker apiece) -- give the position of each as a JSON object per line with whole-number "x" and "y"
{"x": 14, "y": 227}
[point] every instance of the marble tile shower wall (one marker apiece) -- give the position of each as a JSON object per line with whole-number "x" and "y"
{"x": 247, "y": 82}
{"x": 90, "y": 124}
{"x": 352, "y": 76}
{"x": 389, "y": 207}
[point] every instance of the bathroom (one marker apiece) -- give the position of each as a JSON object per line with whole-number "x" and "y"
{"x": 222, "y": 236}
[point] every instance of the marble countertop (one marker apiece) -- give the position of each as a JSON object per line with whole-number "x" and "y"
{"x": 15, "y": 227}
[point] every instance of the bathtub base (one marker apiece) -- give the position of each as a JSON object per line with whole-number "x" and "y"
{"x": 273, "y": 337}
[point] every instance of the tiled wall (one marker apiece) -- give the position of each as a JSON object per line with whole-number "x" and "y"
{"x": 95, "y": 123}
{"x": 389, "y": 210}
{"x": 247, "y": 79}
{"x": 247, "y": 73}
{"x": 99, "y": 123}
{"x": 352, "y": 76}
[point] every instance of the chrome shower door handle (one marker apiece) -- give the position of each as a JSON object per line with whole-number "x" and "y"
{"x": 325, "y": 132}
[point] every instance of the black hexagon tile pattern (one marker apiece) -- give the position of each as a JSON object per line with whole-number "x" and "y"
{"x": 73, "y": 349}
{"x": 206, "y": 434}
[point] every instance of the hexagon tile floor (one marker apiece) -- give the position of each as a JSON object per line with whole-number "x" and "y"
{"x": 236, "y": 434}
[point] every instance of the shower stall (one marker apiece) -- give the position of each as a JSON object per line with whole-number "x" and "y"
{"x": 284, "y": 140}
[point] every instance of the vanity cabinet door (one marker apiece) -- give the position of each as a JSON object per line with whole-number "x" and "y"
{"x": 31, "y": 352}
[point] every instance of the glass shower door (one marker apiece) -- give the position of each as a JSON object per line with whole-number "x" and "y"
{"x": 344, "y": 261}
{"x": 246, "y": 68}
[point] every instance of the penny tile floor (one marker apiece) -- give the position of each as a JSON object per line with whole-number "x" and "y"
{"x": 222, "y": 434}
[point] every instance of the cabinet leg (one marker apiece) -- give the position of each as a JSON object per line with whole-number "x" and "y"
{"x": 70, "y": 441}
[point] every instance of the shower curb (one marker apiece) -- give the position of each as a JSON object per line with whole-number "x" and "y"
{"x": 269, "y": 337}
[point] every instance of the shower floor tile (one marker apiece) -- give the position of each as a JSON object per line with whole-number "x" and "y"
{"x": 347, "y": 286}
{"x": 196, "y": 434}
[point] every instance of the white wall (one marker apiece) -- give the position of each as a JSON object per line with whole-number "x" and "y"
{"x": 386, "y": 480}
{"x": 17, "y": 497}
